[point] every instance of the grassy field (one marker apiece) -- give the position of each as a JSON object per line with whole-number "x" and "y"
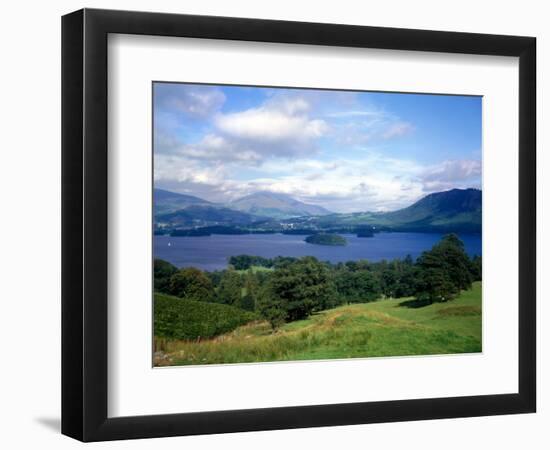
{"x": 384, "y": 328}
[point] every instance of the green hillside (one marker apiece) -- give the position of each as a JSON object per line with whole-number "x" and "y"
{"x": 457, "y": 208}
{"x": 392, "y": 327}
{"x": 177, "y": 318}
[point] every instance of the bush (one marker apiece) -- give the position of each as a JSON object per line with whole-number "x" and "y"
{"x": 179, "y": 318}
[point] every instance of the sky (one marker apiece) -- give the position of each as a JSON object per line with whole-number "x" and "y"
{"x": 344, "y": 150}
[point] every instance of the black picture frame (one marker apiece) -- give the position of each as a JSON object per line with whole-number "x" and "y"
{"x": 84, "y": 224}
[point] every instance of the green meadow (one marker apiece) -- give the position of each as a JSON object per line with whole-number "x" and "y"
{"x": 387, "y": 327}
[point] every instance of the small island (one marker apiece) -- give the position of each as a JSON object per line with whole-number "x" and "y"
{"x": 326, "y": 239}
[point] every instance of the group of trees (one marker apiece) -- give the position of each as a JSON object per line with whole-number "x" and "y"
{"x": 245, "y": 262}
{"x": 294, "y": 288}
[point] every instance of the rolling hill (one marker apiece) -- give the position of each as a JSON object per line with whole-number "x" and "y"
{"x": 277, "y": 206}
{"x": 386, "y": 327}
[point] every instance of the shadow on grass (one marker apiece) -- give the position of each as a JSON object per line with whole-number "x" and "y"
{"x": 415, "y": 303}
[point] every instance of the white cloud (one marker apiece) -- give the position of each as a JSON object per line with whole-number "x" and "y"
{"x": 263, "y": 124}
{"x": 372, "y": 183}
{"x": 281, "y": 146}
{"x": 280, "y": 128}
{"x": 454, "y": 170}
{"x": 397, "y": 129}
{"x": 213, "y": 147}
{"x": 365, "y": 127}
{"x": 191, "y": 100}
{"x": 346, "y": 114}
{"x": 172, "y": 167}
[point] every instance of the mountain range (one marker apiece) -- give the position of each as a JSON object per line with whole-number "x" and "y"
{"x": 456, "y": 210}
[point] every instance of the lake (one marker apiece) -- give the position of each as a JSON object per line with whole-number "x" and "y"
{"x": 212, "y": 252}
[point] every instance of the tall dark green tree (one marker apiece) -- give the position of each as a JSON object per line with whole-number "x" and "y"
{"x": 302, "y": 286}
{"x": 444, "y": 270}
{"x": 270, "y": 307}
{"x": 403, "y": 280}
{"x": 435, "y": 285}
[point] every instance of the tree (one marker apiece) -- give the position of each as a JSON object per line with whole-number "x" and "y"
{"x": 248, "y": 301}
{"x": 229, "y": 290}
{"x": 358, "y": 286}
{"x": 162, "y": 271}
{"x": 270, "y": 307}
{"x": 407, "y": 280}
{"x": 475, "y": 268}
{"x": 215, "y": 277}
{"x": 434, "y": 285}
{"x": 444, "y": 270}
{"x": 389, "y": 280}
{"x": 245, "y": 262}
{"x": 301, "y": 287}
{"x": 191, "y": 283}
{"x": 400, "y": 278}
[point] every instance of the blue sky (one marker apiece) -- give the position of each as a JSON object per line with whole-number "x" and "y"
{"x": 346, "y": 151}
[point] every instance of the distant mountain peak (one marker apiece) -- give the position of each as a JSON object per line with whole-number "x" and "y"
{"x": 276, "y": 205}
{"x": 164, "y": 194}
{"x": 167, "y": 201}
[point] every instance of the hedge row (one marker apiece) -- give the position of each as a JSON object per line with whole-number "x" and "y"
{"x": 177, "y": 318}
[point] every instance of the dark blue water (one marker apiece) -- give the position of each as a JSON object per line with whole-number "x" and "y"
{"x": 212, "y": 252}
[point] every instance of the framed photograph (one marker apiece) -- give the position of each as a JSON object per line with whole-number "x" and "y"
{"x": 272, "y": 224}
